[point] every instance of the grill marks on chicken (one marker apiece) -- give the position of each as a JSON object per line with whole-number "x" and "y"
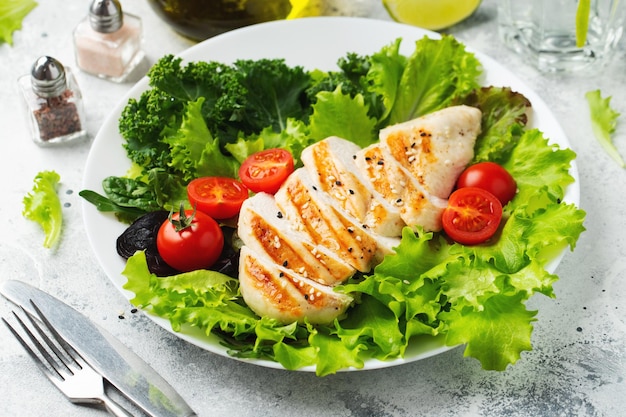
{"x": 344, "y": 211}
{"x": 269, "y": 234}
{"x": 400, "y": 189}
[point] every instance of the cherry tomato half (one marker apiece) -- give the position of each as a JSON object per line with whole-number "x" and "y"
{"x": 472, "y": 216}
{"x": 219, "y": 197}
{"x": 266, "y": 170}
{"x": 491, "y": 177}
{"x": 189, "y": 241}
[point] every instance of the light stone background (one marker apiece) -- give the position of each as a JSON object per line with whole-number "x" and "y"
{"x": 577, "y": 366}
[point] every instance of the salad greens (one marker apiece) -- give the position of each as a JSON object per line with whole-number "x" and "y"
{"x": 12, "y": 12}
{"x": 205, "y": 118}
{"x": 42, "y": 205}
{"x": 430, "y": 287}
{"x": 603, "y": 122}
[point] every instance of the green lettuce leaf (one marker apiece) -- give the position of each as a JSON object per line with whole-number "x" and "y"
{"x": 42, "y": 205}
{"x": 205, "y": 299}
{"x": 385, "y": 74}
{"x": 504, "y": 114}
{"x": 194, "y": 151}
{"x": 438, "y": 72}
{"x": 338, "y": 114}
{"x": 12, "y": 13}
{"x": 536, "y": 164}
{"x": 495, "y": 334}
{"x": 603, "y": 122}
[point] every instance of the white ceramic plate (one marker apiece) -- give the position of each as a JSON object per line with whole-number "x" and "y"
{"x": 312, "y": 43}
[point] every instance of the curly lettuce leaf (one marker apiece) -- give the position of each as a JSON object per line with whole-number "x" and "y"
{"x": 535, "y": 164}
{"x": 504, "y": 114}
{"x": 603, "y": 122}
{"x": 385, "y": 74}
{"x": 206, "y": 299}
{"x": 194, "y": 151}
{"x": 439, "y": 71}
{"x": 42, "y": 205}
{"x": 12, "y": 13}
{"x": 496, "y": 334}
{"x": 338, "y": 114}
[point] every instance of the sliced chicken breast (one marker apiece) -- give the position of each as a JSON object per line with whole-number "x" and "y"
{"x": 331, "y": 166}
{"x": 263, "y": 227}
{"x": 312, "y": 211}
{"x": 435, "y": 148}
{"x": 276, "y": 292}
{"x": 400, "y": 189}
{"x": 345, "y": 210}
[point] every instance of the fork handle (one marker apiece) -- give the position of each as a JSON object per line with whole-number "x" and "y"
{"x": 114, "y": 408}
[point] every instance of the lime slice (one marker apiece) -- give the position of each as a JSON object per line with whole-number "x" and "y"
{"x": 430, "y": 14}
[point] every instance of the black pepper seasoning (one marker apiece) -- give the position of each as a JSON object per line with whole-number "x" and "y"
{"x": 53, "y": 101}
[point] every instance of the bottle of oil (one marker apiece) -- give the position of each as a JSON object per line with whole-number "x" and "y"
{"x": 202, "y": 19}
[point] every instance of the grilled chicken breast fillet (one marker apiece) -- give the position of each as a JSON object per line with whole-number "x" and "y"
{"x": 435, "y": 148}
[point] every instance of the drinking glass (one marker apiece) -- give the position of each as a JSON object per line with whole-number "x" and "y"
{"x": 544, "y": 31}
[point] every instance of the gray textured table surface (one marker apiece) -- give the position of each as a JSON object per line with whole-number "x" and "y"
{"x": 578, "y": 363}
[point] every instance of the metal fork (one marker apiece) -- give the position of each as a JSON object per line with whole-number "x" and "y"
{"x": 67, "y": 370}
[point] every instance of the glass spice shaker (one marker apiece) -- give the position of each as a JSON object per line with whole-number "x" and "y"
{"x": 54, "y": 103}
{"x": 107, "y": 43}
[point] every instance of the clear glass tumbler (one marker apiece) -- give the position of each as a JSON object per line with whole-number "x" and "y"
{"x": 544, "y": 31}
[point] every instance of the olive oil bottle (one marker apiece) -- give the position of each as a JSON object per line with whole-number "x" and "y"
{"x": 202, "y": 19}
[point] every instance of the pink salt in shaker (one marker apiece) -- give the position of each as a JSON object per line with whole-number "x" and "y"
{"x": 107, "y": 43}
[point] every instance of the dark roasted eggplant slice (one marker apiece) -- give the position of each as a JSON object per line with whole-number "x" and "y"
{"x": 141, "y": 235}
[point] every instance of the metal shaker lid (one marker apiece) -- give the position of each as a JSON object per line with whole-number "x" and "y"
{"x": 48, "y": 77}
{"x": 106, "y": 16}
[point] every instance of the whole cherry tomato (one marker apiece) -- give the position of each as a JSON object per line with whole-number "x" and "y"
{"x": 491, "y": 177}
{"x": 190, "y": 240}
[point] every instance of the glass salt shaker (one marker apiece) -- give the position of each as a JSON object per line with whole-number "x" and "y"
{"x": 54, "y": 103}
{"x": 107, "y": 43}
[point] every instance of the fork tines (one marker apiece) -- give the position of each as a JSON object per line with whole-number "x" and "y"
{"x": 47, "y": 348}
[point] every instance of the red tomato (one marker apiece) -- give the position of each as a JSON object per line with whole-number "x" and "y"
{"x": 266, "y": 170}
{"x": 219, "y": 197}
{"x": 189, "y": 241}
{"x": 472, "y": 216}
{"x": 491, "y": 177}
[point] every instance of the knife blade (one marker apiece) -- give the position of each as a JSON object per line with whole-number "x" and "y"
{"x": 119, "y": 365}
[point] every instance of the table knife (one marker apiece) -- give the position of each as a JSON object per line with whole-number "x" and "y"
{"x": 120, "y": 366}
